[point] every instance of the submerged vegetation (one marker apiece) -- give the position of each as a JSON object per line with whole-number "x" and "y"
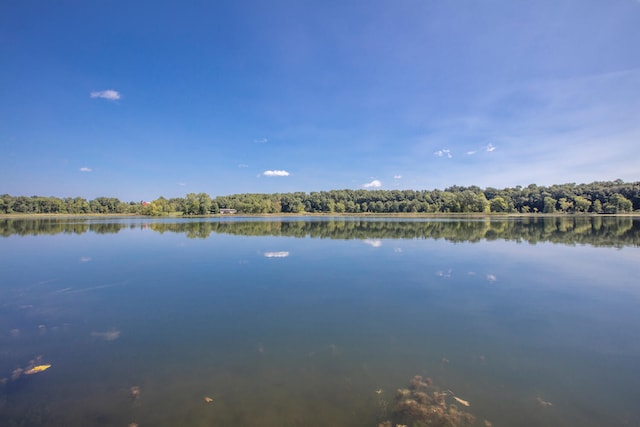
{"x": 423, "y": 405}
{"x": 610, "y": 197}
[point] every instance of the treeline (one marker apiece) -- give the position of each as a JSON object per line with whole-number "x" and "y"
{"x": 617, "y": 231}
{"x": 608, "y": 197}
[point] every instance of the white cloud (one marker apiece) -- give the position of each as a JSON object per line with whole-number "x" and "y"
{"x": 373, "y": 184}
{"x": 261, "y": 140}
{"x": 243, "y": 165}
{"x": 375, "y": 243}
{"x": 182, "y": 184}
{"x": 109, "y": 94}
{"x": 275, "y": 173}
{"x": 488, "y": 148}
{"x": 86, "y": 169}
{"x": 443, "y": 152}
{"x": 397, "y": 177}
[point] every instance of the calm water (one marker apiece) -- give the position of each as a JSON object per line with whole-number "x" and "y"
{"x": 317, "y": 322}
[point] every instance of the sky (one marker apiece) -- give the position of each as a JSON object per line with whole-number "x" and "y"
{"x": 142, "y": 99}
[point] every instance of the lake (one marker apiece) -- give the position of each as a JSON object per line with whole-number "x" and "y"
{"x": 320, "y": 321}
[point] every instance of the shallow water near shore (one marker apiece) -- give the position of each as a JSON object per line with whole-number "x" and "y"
{"x": 318, "y": 321}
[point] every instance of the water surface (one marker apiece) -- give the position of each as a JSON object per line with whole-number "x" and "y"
{"x": 315, "y": 322}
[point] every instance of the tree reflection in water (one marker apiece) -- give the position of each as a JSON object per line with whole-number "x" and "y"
{"x": 614, "y": 231}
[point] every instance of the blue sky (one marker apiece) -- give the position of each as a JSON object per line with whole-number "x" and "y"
{"x": 138, "y": 99}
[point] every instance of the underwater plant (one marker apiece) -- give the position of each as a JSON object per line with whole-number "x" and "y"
{"x": 423, "y": 405}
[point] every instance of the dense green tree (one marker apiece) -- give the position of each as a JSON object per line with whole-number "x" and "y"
{"x": 77, "y": 205}
{"x": 618, "y": 204}
{"x": 4, "y": 206}
{"x": 205, "y": 204}
{"x": 450, "y": 203}
{"x": 581, "y": 204}
{"x": 158, "y": 207}
{"x": 191, "y": 205}
{"x": 597, "y": 206}
{"x": 498, "y": 204}
{"x": 549, "y": 205}
{"x": 565, "y": 205}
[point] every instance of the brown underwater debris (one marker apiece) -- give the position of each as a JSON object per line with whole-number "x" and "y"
{"x": 543, "y": 403}
{"x": 134, "y": 392}
{"x": 423, "y": 404}
{"x": 36, "y": 369}
{"x": 461, "y": 401}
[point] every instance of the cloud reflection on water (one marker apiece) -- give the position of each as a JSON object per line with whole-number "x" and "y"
{"x": 280, "y": 254}
{"x": 374, "y": 243}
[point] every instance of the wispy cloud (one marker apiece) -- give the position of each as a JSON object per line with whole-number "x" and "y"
{"x": 110, "y": 94}
{"x": 182, "y": 184}
{"x": 86, "y": 169}
{"x": 444, "y": 152}
{"x": 261, "y": 140}
{"x": 243, "y": 165}
{"x": 373, "y": 184}
{"x": 489, "y": 148}
{"x": 397, "y": 177}
{"x": 275, "y": 173}
{"x": 591, "y": 120}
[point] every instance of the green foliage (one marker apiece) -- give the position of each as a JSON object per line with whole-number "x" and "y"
{"x": 567, "y": 198}
{"x": 581, "y": 204}
{"x": 158, "y": 207}
{"x": 565, "y": 205}
{"x": 618, "y": 204}
{"x": 597, "y": 206}
{"x": 549, "y": 205}
{"x": 597, "y": 197}
{"x": 498, "y": 204}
